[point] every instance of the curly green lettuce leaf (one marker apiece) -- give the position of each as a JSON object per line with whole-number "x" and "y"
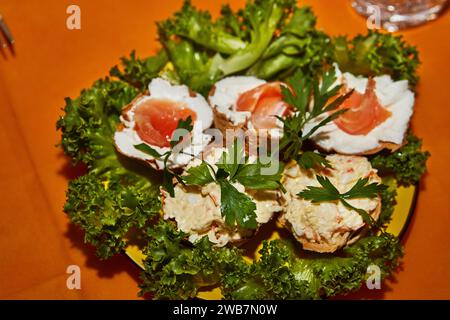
{"x": 231, "y": 22}
{"x": 388, "y": 202}
{"x": 115, "y": 196}
{"x": 89, "y": 122}
{"x": 195, "y": 68}
{"x": 378, "y": 53}
{"x": 139, "y": 72}
{"x": 407, "y": 165}
{"x": 177, "y": 269}
{"x": 281, "y": 274}
{"x": 198, "y": 27}
{"x": 107, "y": 207}
{"x": 267, "y": 39}
{"x": 300, "y": 46}
{"x": 262, "y": 18}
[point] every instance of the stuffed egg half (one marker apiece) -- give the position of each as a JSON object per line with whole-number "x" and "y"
{"x": 152, "y": 119}
{"x": 378, "y": 116}
{"x": 248, "y": 103}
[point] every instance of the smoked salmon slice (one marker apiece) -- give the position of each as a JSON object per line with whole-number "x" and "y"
{"x": 264, "y": 102}
{"x": 157, "y": 119}
{"x": 364, "y": 112}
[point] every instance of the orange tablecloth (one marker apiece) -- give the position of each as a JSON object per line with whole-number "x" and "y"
{"x": 36, "y": 241}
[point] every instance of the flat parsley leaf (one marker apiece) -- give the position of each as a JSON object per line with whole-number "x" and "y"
{"x": 328, "y": 192}
{"x": 199, "y": 176}
{"x": 311, "y": 99}
{"x": 364, "y": 190}
{"x": 145, "y": 148}
{"x": 308, "y": 160}
{"x": 233, "y": 159}
{"x": 236, "y": 207}
{"x": 250, "y": 176}
{"x": 184, "y": 127}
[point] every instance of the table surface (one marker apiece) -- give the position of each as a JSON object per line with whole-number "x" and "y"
{"x": 37, "y": 243}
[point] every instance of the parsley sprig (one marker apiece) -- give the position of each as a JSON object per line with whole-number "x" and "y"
{"x": 234, "y": 166}
{"x": 328, "y": 192}
{"x": 310, "y": 99}
{"x": 183, "y": 127}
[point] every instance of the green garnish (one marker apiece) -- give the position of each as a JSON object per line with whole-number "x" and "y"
{"x": 408, "y": 164}
{"x": 377, "y": 53}
{"x": 267, "y": 39}
{"x": 305, "y": 92}
{"x": 282, "y": 274}
{"x": 140, "y": 72}
{"x": 309, "y": 160}
{"x": 111, "y": 198}
{"x": 362, "y": 189}
{"x": 236, "y": 207}
{"x": 199, "y": 175}
{"x": 145, "y": 148}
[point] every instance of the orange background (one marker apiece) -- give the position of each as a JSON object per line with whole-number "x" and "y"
{"x": 36, "y": 241}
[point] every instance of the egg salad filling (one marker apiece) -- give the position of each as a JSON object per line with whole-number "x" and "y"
{"x": 328, "y": 223}
{"x": 196, "y": 209}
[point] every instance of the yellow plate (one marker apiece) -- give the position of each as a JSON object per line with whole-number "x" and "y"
{"x": 406, "y": 198}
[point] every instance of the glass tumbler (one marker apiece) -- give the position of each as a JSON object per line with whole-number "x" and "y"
{"x": 393, "y": 15}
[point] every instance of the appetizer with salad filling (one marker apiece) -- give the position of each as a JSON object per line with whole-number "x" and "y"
{"x": 329, "y": 225}
{"x": 197, "y": 209}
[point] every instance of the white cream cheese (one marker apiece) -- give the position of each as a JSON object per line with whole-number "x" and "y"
{"x": 393, "y": 95}
{"x": 226, "y": 94}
